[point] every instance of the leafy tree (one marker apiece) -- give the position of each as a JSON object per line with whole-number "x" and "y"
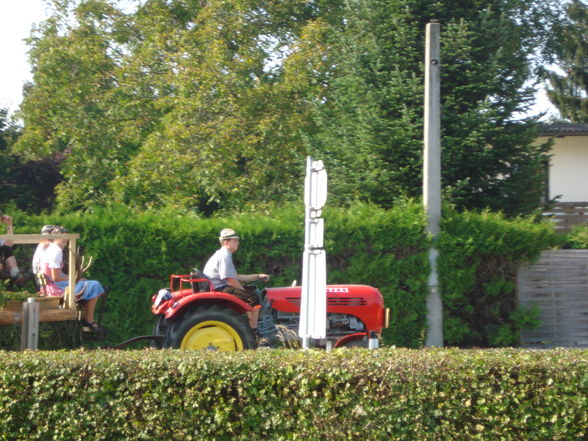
{"x": 75, "y": 107}
{"x": 568, "y": 92}
{"x": 371, "y": 122}
{"x": 7, "y": 161}
{"x": 232, "y": 124}
{"x": 215, "y": 104}
{"x": 26, "y": 185}
{"x": 180, "y": 103}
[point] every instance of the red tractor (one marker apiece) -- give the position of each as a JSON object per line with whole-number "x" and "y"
{"x": 194, "y": 316}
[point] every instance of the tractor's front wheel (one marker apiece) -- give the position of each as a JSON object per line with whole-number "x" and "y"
{"x": 212, "y": 327}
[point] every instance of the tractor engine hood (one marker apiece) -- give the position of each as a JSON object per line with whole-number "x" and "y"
{"x": 362, "y": 301}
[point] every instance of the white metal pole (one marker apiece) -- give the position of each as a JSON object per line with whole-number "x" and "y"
{"x": 30, "y": 325}
{"x": 432, "y": 177}
{"x": 306, "y": 264}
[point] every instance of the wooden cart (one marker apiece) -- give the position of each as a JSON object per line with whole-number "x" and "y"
{"x": 34, "y": 311}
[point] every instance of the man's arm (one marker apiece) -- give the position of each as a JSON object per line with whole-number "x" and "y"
{"x": 247, "y": 278}
{"x": 58, "y": 276}
{"x": 8, "y": 221}
{"x": 234, "y": 283}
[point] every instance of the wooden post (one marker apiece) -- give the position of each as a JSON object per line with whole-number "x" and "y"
{"x": 432, "y": 177}
{"x": 71, "y": 292}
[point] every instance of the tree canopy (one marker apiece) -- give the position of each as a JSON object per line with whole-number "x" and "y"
{"x": 214, "y": 104}
{"x": 569, "y": 91}
{"x": 372, "y": 120}
{"x": 25, "y": 185}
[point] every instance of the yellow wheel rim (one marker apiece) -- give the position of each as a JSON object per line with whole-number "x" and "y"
{"x": 212, "y": 335}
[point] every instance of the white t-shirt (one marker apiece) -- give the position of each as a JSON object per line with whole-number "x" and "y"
{"x": 53, "y": 256}
{"x": 220, "y": 267}
{"x": 1, "y": 242}
{"x": 38, "y": 257}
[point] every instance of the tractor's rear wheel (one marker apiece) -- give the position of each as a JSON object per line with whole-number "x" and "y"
{"x": 160, "y": 328}
{"x": 212, "y": 327}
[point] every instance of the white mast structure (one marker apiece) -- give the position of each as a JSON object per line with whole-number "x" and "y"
{"x": 313, "y": 306}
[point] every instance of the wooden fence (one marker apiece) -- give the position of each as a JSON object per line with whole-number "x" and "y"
{"x": 566, "y": 215}
{"x": 558, "y": 285}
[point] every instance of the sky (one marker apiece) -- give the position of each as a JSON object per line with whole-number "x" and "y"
{"x": 16, "y": 20}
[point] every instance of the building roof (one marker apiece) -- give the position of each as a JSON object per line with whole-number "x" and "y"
{"x": 563, "y": 129}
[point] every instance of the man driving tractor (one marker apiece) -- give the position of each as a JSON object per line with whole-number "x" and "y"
{"x": 223, "y": 275}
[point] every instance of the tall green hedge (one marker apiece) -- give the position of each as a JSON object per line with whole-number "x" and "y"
{"x": 295, "y": 395}
{"x": 480, "y": 255}
{"x": 134, "y": 254}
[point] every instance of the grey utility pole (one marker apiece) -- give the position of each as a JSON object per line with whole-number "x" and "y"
{"x": 432, "y": 178}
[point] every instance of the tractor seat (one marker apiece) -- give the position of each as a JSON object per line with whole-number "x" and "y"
{"x": 199, "y": 282}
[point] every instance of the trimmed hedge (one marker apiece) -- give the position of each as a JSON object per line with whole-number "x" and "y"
{"x": 345, "y": 394}
{"x": 479, "y": 257}
{"x": 577, "y": 238}
{"x": 134, "y": 253}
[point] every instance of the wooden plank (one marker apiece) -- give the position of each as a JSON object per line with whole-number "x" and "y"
{"x": 540, "y": 295}
{"x": 561, "y": 336}
{"x": 549, "y": 292}
{"x": 556, "y": 336}
{"x": 561, "y": 314}
{"x": 561, "y": 340}
{"x": 36, "y": 238}
{"x": 551, "y": 345}
{"x": 552, "y": 332}
{"x": 563, "y": 326}
{"x": 548, "y": 286}
{"x": 47, "y": 315}
{"x": 10, "y": 317}
{"x": 58, "y": 315}
{"x": 565, "y": 215}
{"x": 563, "y": 301}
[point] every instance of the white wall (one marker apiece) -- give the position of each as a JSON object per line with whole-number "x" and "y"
{"x": 568, "y": 172}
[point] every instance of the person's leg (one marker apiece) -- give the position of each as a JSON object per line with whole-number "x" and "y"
{"x": 249, "y": 297}
{"x": 253, "y": 318}
{"x": 9, "y": 268}
{"x": 88, "y": 309}
{"x": 90, "y": 291}
{"x": 10, "y": 264}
